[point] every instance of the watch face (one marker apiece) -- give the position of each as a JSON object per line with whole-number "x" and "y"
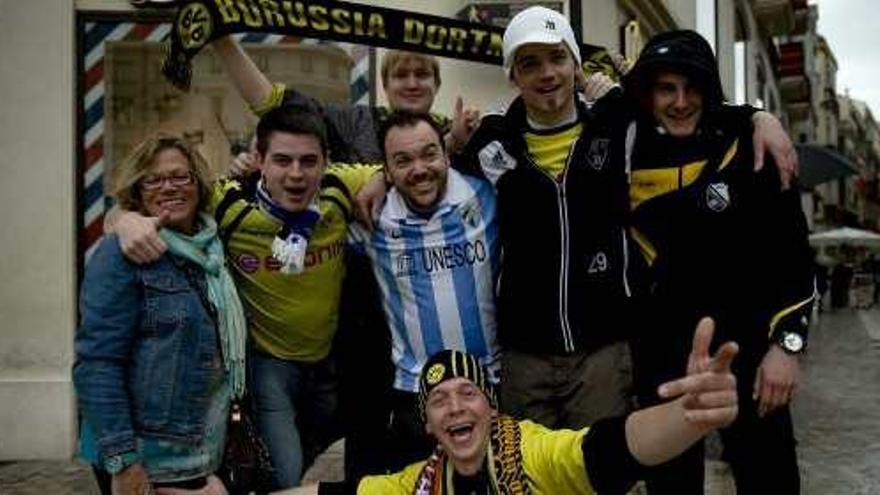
{"x": 792, "y": 342}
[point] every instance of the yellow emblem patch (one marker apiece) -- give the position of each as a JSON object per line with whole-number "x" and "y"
{"x": 194, "y": 25}
{"x": 435, "y": 374}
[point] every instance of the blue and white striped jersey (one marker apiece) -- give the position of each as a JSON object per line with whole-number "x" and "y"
{"x": 437, "y": 276}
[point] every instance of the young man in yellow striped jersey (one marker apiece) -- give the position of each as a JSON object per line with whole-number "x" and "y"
{"x": 410, "y": 82}
{"x": 560, "y": 173}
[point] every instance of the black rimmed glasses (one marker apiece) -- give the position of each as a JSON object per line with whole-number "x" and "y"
{"x": 155, "y": 182}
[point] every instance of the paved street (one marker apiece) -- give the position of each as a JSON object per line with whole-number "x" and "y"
{"x": 837, "y": 416}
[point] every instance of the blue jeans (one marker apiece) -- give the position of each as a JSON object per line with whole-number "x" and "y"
{"x": 295, "y": 405}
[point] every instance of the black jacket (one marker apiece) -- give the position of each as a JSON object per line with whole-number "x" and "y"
{"x": 717, "y": 239}
{"x": 563, "y": 285}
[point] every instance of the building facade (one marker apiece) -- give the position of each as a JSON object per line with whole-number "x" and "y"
{"x": 858, "y": 203}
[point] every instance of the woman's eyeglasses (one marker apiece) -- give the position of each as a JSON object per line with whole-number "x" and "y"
{"x": 155, "y": 182}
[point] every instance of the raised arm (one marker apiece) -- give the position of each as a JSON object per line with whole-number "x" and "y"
{"x": 596, "y": 85}
{"x": 252, "y": 84}
{"x": 464, "y": 122}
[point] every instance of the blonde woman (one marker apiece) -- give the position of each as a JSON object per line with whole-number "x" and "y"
{"x": 160, "y": 348}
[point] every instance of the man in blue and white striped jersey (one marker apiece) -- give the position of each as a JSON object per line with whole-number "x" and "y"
{"x": 436, "y": 256}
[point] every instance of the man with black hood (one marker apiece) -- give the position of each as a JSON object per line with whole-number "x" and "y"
{"x": 719, "y": 239}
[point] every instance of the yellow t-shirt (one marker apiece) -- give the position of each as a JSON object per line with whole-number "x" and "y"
{"x": 292, "y": 316}
{"x": 552, "y": 460}
{"x": 551, "y": 150}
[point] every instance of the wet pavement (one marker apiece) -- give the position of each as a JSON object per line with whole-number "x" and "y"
{"x": 837, "y": 422}
{"x": 837, "y": 413}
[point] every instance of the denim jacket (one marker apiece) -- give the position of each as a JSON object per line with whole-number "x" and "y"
{"x": 147, "y": 352}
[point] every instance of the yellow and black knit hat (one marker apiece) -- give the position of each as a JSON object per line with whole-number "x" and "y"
{"x": 449, "y": 364}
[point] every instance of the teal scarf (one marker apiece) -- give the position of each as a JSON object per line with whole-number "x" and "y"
{"x": 205, "y": 249}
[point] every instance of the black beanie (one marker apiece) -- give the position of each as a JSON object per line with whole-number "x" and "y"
{"x": 683, "y": 51}
{"x": 449, "y": 364}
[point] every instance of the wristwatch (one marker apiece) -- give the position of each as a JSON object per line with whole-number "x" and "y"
{"x": 791, "y": 342}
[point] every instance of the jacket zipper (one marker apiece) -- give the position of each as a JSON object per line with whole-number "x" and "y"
{"x": 629, "y": 146}
{"x": 563, "y": 269}
{"x": 562, "y": 206}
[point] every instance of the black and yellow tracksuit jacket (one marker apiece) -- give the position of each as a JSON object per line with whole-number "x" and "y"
{"x": 718, "y": 239}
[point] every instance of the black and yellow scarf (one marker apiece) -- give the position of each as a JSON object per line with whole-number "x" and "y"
{"x": 505, "y": 464}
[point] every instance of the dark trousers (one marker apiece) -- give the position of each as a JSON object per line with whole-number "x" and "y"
{"x": 408, "y": 442}
{"x": 363, "y": 350}
{"x": 103, "y": 479}
{"x": 760, "y": 451}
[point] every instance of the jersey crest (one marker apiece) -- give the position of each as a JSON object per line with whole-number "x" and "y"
{"x": 717, "y": 196}
{"x": 598, "y": 153}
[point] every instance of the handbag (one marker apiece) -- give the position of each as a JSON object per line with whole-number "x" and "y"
{"x": 246, "y": 466}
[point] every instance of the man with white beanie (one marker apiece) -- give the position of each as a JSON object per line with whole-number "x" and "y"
{"x": 561, "y": 189}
